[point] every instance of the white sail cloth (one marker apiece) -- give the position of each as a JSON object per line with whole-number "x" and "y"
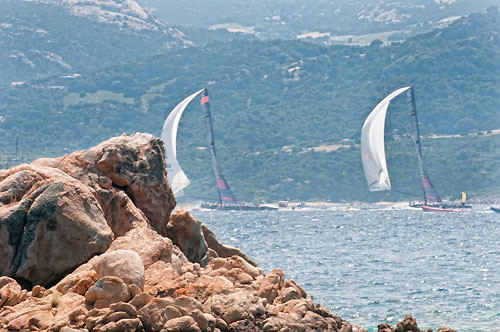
{"x": 372, "y": 145}
{"x": 176, "y": 177}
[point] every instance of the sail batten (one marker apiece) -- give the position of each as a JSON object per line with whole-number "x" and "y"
{"x": 372, "y": 145}
{"x": 225, "y": 193}
{"x": 175, "y": 175}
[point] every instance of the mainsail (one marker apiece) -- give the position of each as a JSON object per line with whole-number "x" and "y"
{"x": 225, "y": 193}
{"x": 176, "y": 177}
{"x": 430, "y": 193}
{"x": 372, "y": 145}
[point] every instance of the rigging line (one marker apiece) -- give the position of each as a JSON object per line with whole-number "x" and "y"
{"x": 406, "y": 193}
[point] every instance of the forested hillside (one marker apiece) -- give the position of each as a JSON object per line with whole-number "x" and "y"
{"x": 45, "y": 37}
{"x": 275, "y": 102}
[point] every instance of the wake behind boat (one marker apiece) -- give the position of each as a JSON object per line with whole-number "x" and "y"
{"x": 374, "y": 161}
{"x": 238, "y": 207}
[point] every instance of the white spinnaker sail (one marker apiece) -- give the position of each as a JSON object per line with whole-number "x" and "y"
{"x": 372, "y": 145}
{"x": 176, "y": 177}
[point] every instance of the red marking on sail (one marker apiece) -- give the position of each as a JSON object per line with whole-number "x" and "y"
{"x": 221, "y": 184}
{"x": 204, "y": 100}
{"x": 227, "y": 199}
{"x": 426, "y": 183}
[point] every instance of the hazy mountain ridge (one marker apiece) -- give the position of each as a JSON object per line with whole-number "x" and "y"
{"x": 44, "y": 37}
{"x": 127, "y": 14}
{"x": 288, "y": 19}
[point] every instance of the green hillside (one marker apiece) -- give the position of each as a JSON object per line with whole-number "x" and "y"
{"x": 274, "y": 100}
{"x": 44, "y": 38}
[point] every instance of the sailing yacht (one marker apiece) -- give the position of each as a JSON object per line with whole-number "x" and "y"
{"x": 176, "y": 176}
{"x": 373, "y": 154}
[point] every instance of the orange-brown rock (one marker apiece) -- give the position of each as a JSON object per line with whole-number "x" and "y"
{"x": 11, "y": 292}
{"x": 409, "y": 324}
{"x": 185, "y": 232}
{"x": 162, "y": 279}
{"x": 445, "y": 329}
{"x": 357, "y": 328}
{"x": 128, "y": 176}
{"x": 48, "y": 313}
{"x": 157, "y": 312}
{"x": 235, "y": 306}
{"x": 187, "y": 303}
{"x": 290, "y": 291}
{"x": 67, "y": 304}
{"x": 55, "y": 226}
{"x": 124, "y": 264}
{"x": 221, "y": 250}
{"x": 302, "y": 315}
{"x": 69, "y": 329}
{"x": 385, "y": 328}
{"x": 127, "y": 308}
{"x": 269, "y": 286}
{"x": 140, "y": 300}
{"x": 181, "y": 324}
{"x": 16, "y": 183}
{"x": 151, "y": 246}
{"x": 206, "y": 286}
{"x": 203, "y": 321}
{"x": 77, "y": 282}
{"x": 107, "y": 290}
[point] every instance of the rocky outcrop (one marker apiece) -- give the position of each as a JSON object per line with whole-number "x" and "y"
{"x": 217, "y": 249}
{"x": 55, "y": 214}
{"x": 185, "y": 232}
{"x": 128, "y": 177}
{"x": 124, "y": 264}
{"x": 49, "y": 223}
{"x": 409, "y": 324}
{"x": 104, "y": 214}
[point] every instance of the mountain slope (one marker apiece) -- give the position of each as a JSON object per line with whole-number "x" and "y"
{"x": 288, "y": 114}
{"x": 44, "y": 37}
{"x": 287, "y": 19}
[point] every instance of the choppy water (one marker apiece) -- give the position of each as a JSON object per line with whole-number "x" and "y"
{"x": 375, "y": 265}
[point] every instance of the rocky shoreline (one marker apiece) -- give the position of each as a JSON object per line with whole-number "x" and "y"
{"x": 88, "y": 242}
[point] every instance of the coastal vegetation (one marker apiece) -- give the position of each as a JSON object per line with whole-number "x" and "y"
{"x": 275, "y": 101}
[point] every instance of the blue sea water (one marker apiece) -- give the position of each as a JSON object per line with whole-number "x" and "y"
{"x": 373, "y": 265}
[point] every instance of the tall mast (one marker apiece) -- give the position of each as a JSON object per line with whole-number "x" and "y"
{"x": 225, "y": 193}
{"x": 429, "y": 192}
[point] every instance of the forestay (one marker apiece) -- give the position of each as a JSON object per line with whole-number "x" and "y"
{"x": 372, "y": 145}
{"x": 176, "y": 177}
